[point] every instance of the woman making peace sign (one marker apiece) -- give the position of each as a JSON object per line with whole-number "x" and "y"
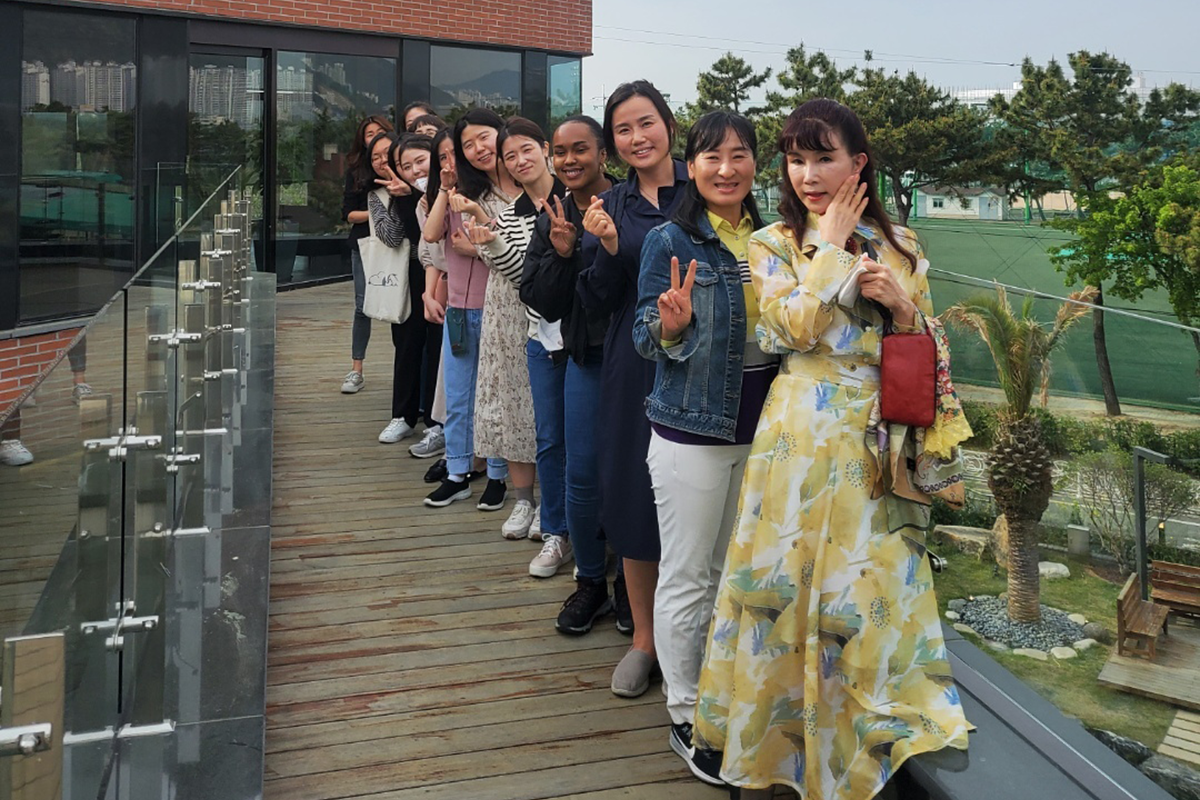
{"x": 709, "y": 388}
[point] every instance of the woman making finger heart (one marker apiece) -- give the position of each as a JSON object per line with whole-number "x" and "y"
{"x": 638, "y": 126}
{"x": 825, "y": 667}
{"x": 709, "y": 387}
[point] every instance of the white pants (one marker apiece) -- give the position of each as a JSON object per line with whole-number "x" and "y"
{"x": 696, "y": 491}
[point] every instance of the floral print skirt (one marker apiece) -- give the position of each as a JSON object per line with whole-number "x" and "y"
{"x": 504, "y": 425}
{"x": 825, "y": 667}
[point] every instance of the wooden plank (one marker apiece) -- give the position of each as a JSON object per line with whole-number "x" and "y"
{"x": 1182, "y": 755}
{"x": 1189, "y": 740}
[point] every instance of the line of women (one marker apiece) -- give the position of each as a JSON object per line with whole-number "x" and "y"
{"x": 699, "y": 392}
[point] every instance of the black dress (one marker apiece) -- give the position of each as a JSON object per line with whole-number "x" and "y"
{"x": 628, "y": 516}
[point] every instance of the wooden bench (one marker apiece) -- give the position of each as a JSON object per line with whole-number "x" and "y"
{"x": 1139, "y": 620}
{"x": 1176, "y": 586}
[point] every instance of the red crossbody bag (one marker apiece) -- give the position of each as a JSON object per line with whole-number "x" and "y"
{"x": 907, "y": 374}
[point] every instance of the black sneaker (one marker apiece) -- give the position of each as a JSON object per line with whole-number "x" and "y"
{"x": 493, "y": 496}
{"x": 588, "y": 601}
{"x": 704, "y": 764}
{"x": 621, "y": 606}
{"x": 437, "y": 473}
{"x": 447, "y": 493}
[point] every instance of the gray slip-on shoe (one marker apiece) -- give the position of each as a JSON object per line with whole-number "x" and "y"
{"x": 631, "y": 678}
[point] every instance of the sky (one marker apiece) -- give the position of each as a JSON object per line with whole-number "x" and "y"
{"x": 956, "y": 45}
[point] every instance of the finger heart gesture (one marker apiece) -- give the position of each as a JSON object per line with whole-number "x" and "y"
{"x": 598, "y": 223}
{"x": 675, "y": 304}
{"x": 479, "y": 234}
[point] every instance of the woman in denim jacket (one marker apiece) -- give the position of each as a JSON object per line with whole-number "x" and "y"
{"x": 710, "y": 385}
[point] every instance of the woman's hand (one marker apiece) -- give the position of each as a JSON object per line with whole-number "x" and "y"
{"x": 395, "y": 187}
{"x": 479, "y": 234}
{"x": 462, "y": 245}
{"x": 463, "y": 205}
{"x": 435, "y": 312}
{"x": 598, "y": 223}
{"x": 675, "y": 304}
{"x": 844, "y": 212}
{"x": 879, "y": 283}
{"x": 562, "y": 231}
{"x": 449, "y": 179}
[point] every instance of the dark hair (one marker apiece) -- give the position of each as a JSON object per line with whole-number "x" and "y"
{"x": 429, "y": 119}
{"x": 358, "y": 161}
{"x": 421, "y": 104}
{"x": 519, "y": 126}
{"x": 708, "y": 133}
{"x": 471, "y": 182}
{"x": 435, "y": 170}
{"x": 592, "y": 125}
{"x": 409, "y": 141}
{"x": 639, "y": 88}
{"x": 813, "y": 126}
{"x": 391, "y": 137}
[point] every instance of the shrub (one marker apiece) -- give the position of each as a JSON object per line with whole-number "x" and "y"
{"x": 983, "y": 420}
{"x": 977, "y": 512}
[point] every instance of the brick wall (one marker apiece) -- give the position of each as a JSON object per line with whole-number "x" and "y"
{"x": 24, "y": 358}
{"x": 564, "y": 25}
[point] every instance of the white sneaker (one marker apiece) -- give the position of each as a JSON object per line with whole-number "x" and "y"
{"x": 433, "y": 443}
{"x": 518, "y": 522}
{"x": 556, "y": 551}
{"x": 353, "y": 382}
{"x": 15, "y": 454}
{"x": 396, "y": 430}
{"x": 535, "y": 527}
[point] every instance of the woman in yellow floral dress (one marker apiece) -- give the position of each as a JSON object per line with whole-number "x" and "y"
{"x": 826, "y": 667}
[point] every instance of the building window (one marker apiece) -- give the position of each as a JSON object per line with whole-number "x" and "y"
{"x": 225, "y": 130}
{"x": 78, "y": 95}
{"x": 564, "y": 88}
{"x": 939, "y": 202}
{"x": 463, "y": 78}
{"x": 320, "y": 101}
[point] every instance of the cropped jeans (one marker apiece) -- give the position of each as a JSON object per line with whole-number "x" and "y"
{"x": 566, "y": 399}
{"x": 461, "y": 373}
{"x": 360, "y": 332}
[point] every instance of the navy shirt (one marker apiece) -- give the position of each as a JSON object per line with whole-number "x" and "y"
{"x": 609, "y": 285}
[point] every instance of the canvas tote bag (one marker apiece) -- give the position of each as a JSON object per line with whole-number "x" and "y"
{"x": 386, "y": 270}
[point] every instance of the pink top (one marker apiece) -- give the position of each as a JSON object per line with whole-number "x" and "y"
{"x": 466, "y": 277}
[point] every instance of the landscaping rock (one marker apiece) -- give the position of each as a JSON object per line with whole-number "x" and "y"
{"x": 1063, "y": 653}
{"x": 999, "y": 647}
{"x": 1180, "y": 781}
{"x": 1029, "y": 652}
{"x": 1131, "y": 750}
{"x": 965, "y": 629}
{"x": 1078, "y": 619}
{"x": 953, "y": 616}
{"x": 956, "y": 605}
{"x": 1084, "y": 644}
{"x": 989, "y": 617}
{"x": 1052, "y": 570}
{"x": 972, "y": 541}
{"x": 1094, "y": 630}
{"x": 1000, "y": 541}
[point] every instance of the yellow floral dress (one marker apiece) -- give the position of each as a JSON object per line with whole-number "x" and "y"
{"x": 825, "y": 667}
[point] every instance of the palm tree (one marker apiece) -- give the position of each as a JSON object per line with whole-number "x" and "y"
{"x": 1019, "y": 467}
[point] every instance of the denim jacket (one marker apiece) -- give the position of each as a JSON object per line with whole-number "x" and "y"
{"x": 698, "y": 383}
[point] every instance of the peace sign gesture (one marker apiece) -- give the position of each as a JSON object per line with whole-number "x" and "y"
{"x": 395, "y": 187}
{"x": 675, "y": 304}
{"x": 598, "y": 223}
{"x": 562, "y": 232}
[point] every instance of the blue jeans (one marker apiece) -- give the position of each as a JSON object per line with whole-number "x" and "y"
{"x": 566, "y": 397}
{"x": 360, "y": 333}
{"x": 462, "y": 370}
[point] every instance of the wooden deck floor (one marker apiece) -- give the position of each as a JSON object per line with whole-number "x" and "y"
{"x": 1173, "y": 676}
{"x": 411, "y": 655}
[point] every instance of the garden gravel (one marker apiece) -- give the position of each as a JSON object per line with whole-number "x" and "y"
{"x": 988, "y": 616}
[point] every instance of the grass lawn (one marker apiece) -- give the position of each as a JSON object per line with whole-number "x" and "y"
{"x": 1152, "y": 364}
{"x": 1070, "y": 685}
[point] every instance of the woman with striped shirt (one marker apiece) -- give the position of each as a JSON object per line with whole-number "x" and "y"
{"x": 710, "y": 384}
